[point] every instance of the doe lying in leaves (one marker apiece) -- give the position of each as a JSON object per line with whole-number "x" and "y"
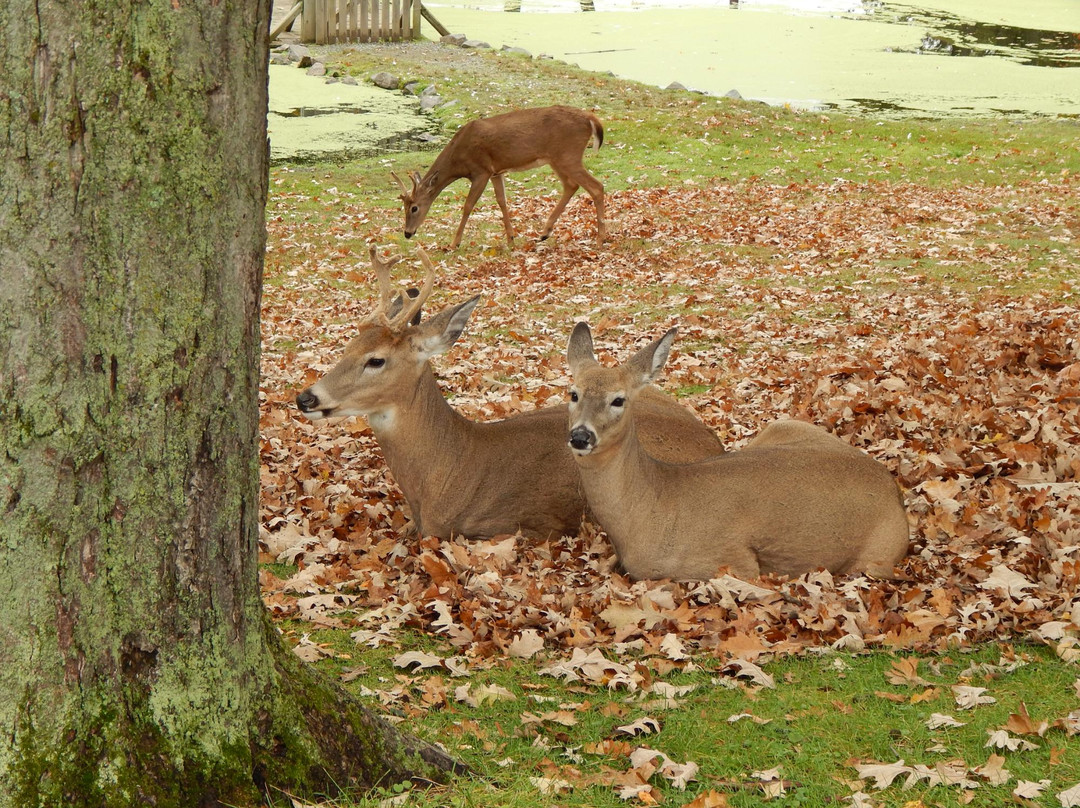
{"x": 487, "y": 148}
{"x": 795, "y": 499}
{"x": 463, "y": 477}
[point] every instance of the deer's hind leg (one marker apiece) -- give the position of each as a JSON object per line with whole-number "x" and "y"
{"x": 572, "y": 179}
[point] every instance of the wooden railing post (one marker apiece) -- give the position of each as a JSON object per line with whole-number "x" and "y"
{"x": 333, "y": 21}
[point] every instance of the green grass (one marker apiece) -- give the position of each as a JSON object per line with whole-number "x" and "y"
{"x": 658, "y": 137}
{"x": 824, "y": 715}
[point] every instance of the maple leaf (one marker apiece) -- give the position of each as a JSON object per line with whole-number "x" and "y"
{"x": 526, "y": 645}
{"x": 994, "y": 771}
{"x": 551, "y": 785}
{"x": 1000, "y": 739}
{"x": 883, "y": 774}
{"x": 741, "y": 716}
{"x": 420, "y": 659}
{"x": 968, "y": 697}
{"x": 309, "y": 651}
{"x": 1069, "y": 797}
{"x": 1007, "y": 582}
{"x": 939, "y": 720}
{"x": 678, "y": 774}
{"x": 743, "y": 669}
{"x": 1022, "y": 724}
{"x": 904, "y": 671}
{"x": 673, "y": 648}
{"x": 478, "y": 695}
{"x": 643, "y": 726}
{"x": 1029, "y": 790}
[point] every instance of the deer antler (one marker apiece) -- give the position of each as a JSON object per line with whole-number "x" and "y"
{"x": 384, "y": 310}
{"x": 386, "y": 291}
{"x": 405, "y": 194}
{"x": 415, "y": 304}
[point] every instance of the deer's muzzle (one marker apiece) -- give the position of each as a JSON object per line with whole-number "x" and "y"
{"x": 582, "y": 439}
{"x": 308, "y": 403}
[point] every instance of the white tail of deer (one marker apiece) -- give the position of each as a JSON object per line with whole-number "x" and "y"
{"x": 459, "y": 476}
{"x": 487, "y": 148}
{"x": 795, "y": 499}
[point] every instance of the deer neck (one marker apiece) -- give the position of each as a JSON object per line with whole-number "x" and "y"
{"x": 421, "y": 438}
{"x": 620, "y": 485}
{"x": 445, "y": 170}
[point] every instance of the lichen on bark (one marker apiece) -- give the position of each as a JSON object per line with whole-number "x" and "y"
{"x": 140, "y": 666}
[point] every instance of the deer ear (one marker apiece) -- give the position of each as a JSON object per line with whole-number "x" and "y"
{"x": 441, "y": 331}
{"x": 579, "y": 350}
{"x": 647, "y": 363}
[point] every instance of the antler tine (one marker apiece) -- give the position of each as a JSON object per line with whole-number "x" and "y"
{"x": 404, "y": 189}
{"x": 415, "y": 304}
{"x": 382, "y": 274}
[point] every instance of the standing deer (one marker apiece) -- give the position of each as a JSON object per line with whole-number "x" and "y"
{"x": 459, "y": 476}
{"x": 795, "y": 499}
{"x": 486, "y": 148}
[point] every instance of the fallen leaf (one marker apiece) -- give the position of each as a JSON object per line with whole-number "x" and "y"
{"x": 939, "y": 720}
{"x": 526, "y": 645}
{"x": 904, "y": 671}
{"x": 968, "y": 697}
{"x": 643, "y": 726}
{"x": 479, "y": 695}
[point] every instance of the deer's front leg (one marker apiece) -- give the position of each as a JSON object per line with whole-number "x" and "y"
{"x": 477, "y": 188}
{"x": 500, "y": 195}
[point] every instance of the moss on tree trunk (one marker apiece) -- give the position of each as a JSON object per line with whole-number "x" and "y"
{"x": 137, "y": 664}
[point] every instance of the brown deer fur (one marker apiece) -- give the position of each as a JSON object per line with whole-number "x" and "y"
{"x": 487, "y": 148}
{"x": 465, "y": 477}
{"x": 795, "y": 499}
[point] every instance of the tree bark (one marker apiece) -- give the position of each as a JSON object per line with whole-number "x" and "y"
{"x": 137, "y": 665}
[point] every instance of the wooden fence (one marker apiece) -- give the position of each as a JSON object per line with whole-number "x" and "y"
{"x": 328, "y": 21}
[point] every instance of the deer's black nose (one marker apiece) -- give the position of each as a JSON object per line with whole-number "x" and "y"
{"x": 307, "y": 401}
{"x": 582, "y": 438}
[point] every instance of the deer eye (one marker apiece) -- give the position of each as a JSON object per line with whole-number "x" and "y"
{"x": 618, "y": 401}
{"x": 415, "y": 208}
{"x": 375, "y": 362}
{"x": 573, "y": 396}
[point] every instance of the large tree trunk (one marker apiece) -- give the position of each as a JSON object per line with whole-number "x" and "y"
{"x": 137, "y": 666}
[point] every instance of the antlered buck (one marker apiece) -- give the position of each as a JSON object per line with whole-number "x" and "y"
{"x": 459, "y": 476}
{"x": 487, "y": 148}
{"x": 795, "y": 499}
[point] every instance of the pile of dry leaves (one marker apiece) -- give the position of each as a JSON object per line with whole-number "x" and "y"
{"x": 823, "y": 303}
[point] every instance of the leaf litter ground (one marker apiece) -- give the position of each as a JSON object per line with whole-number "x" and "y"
{"x": 934, "y": 328}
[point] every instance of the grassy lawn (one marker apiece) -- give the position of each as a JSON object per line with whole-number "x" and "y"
{"x": 910, "y": 285}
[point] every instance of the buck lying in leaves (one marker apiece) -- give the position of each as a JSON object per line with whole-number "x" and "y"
{"x": 459, "y": 476}
{"x": 795, "y": 499}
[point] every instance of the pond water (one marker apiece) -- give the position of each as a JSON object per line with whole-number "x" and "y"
{"x": 310, "y": 118}
{"x": 940, "y": 57}
{"x": 947, "y": 57}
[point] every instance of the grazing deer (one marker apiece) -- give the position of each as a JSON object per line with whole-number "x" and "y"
{"x": 486, "y": 148}
{"x": 459, "y": 476}
{"x": 795, "y": 499}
